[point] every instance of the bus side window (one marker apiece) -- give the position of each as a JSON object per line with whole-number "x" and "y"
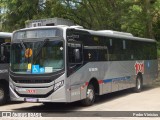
{"x": 5, "y": 53}
{"x": 102, "y": 54}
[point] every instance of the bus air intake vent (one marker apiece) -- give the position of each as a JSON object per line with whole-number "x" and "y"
{"x": 32, "y": 81}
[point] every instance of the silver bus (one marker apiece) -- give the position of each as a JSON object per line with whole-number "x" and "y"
{"x": 5, "y": 39}
{"x": 67, "y": 64}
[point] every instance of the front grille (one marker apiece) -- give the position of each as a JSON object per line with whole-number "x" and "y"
{"x": 32, "y": 81}
{"x": 35, "y": 96}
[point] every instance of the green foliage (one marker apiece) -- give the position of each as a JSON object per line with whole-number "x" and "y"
{"x": 158, "y": 53}
{"x": 139, "y": 17}
{"x": 18, "y": 11}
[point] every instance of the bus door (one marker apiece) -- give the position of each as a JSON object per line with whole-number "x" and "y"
{"x": 75, "y": 61}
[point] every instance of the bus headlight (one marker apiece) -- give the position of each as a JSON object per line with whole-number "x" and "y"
{"x": 58, "y": 85}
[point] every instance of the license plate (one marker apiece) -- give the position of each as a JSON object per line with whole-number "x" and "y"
{"x": 31, "y": 99}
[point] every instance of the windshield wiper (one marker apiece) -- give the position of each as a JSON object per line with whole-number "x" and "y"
{"x": 22, "y": 44}
{"x": 40, "y": 48}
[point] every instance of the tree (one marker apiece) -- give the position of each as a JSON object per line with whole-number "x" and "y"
{"x": 139, "y": 17}
{"x": 18, "y": 11}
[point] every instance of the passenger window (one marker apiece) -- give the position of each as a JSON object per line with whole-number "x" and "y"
{"x": 5, "y": 53}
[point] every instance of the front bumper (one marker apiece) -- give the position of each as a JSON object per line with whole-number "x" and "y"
{"x": 33, "y": 94}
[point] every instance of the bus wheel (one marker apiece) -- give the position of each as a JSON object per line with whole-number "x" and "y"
{"x": 3, "y": 94}
{"x": 90, "y": 96}
{"x": 138, "y": 87}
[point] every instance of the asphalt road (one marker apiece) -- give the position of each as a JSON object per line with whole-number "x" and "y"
{"x": 120, "y": 103}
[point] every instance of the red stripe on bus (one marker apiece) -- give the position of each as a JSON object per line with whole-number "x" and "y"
{"x": 100, "y": 81}
{"x": 86, "y": 83}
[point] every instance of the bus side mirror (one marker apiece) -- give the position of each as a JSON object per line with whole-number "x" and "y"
{"x": 75, "y": 53}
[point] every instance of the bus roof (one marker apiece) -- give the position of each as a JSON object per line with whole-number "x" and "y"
{"x": 5, "y": 34}
{"x": 116, "y": 34}
{"x": 107, "y": 33}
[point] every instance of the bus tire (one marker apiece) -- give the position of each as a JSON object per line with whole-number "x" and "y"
{"x": 3, "y": 94}
{"x": 90, "y": 96}
{"x": 138, "y": 87}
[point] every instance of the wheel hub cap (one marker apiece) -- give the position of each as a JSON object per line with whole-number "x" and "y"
{"x": 138, "y": 84}
{"x": 90, "y": 94}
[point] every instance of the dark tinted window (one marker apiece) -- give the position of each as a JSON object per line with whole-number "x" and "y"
{"x": 116, "y": 48}
{"x": 6, "y": 54}
{"x": 5, "y": 50}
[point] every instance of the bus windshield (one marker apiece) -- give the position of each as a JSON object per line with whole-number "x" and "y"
{"x": 40, "y": 57}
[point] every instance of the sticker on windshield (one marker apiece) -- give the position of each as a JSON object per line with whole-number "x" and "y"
{"x": 28, "y": 52}
{"x": 29, "y": 66}
{"x": 42, "y": 70}
{"x": 29, "y": 71}
{"x": 35, "y": 69}
{"x": 48, "y": 69}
